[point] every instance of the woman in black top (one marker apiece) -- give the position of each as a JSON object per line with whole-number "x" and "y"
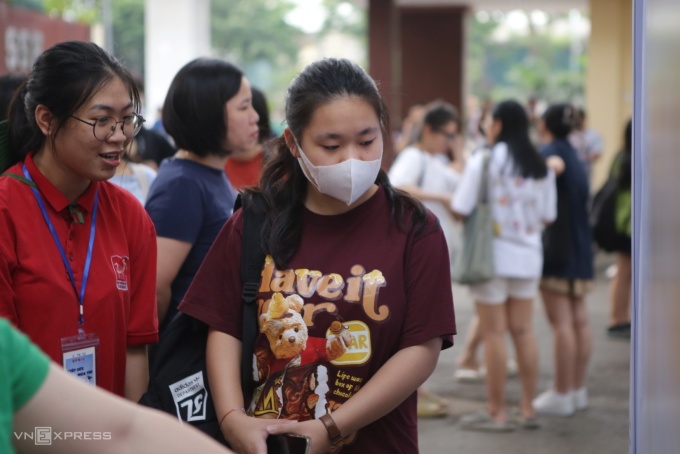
{"x": 567, "y": 267}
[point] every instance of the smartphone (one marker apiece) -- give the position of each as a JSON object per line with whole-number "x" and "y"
{"x": 289, "y": 444}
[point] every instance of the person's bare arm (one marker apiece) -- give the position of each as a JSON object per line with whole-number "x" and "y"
{"x": 381, "y": 394}
{"x": 245, "y": 434}
{"x": 425, "y": 196}
{"x": 136, "y": 372}
{"x": 113, "y": 425}
{"x": 171, "y": 256}
{"x": 457, "y": 216}
{"x": 556, "y": 164}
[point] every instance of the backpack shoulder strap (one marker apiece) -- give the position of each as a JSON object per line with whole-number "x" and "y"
{"x": 252, "y": 255}
{"x": 423, "y": 168}
{"x": 252, "y": 258}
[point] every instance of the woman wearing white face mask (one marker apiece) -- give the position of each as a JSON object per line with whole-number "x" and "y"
{"x": 366, "y": 264}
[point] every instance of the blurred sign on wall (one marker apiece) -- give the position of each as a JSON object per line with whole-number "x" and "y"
{"x": 25, "y": 34}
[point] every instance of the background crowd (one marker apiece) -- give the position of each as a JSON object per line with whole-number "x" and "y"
{"x": 70, "y": 148}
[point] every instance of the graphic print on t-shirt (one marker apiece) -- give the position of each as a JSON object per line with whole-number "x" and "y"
{"x": 303, "y": 377}
{"x": 120, "y": 268}
{"x": 517, "y": 212}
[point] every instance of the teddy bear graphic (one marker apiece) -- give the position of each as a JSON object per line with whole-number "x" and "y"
{"x": 289, "y": 339}
{"x": 291, "y": 370}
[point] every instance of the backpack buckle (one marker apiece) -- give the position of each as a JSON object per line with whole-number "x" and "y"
{"x": 250, "y": 291}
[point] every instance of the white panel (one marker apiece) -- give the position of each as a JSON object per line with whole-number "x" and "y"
{"x": 655, "y": 416}
{"x": 176, "y": 32}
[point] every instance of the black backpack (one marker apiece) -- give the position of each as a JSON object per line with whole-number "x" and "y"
{"x": 603, "y": 217}
{"x": 178, "y": 381}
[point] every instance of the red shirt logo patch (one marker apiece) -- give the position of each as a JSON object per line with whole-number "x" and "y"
{"x": 120, "y": 267}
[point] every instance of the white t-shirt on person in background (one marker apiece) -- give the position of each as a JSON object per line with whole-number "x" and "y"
{"x": 430, "y": 172}
{"x": 520, "y": 206}
{"x": 137, "y": 182}
{"x": 588, "y": 145}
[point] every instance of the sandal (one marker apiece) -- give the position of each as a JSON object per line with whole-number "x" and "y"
{"x": 524, "y": 422}
{"x": 429, "y": 409}
{"x": 484, "y": 423}
{"x": 619, "y": 331}
{"x": 465, "y": 375}
{"x": 432, "y": 397}
{"x": 531, "y": 423}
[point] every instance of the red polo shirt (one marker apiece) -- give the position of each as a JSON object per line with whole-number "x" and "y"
{"x": 35, "y": 290}
{"x": 244, "y": 173}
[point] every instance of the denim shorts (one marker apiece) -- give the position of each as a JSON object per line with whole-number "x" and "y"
{"x": 499, "y": 289}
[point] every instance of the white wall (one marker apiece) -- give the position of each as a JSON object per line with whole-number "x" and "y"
{"x": 176, "y": 32}
{"x": 609, "y": 81}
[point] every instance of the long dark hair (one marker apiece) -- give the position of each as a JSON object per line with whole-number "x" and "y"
{"x": 262, "y": 109}
{"x": 283, "y": 184}
{"x": 515, "y": 133}
{"x": 64, "y": 77}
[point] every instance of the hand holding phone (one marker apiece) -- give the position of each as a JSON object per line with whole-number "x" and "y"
{"x": 289, "y": 444}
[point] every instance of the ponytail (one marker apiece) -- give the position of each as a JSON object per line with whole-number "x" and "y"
{"x": 560, "y": 119}
{"x": 23, "y": 134}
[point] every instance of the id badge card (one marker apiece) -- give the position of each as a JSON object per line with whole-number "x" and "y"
{"x": 79, "y": 356}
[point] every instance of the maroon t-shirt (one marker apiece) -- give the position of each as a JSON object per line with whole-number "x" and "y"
{"x": 358, "y": 290}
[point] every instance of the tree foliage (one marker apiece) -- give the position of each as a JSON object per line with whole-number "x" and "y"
{"x": 243, "y": 31}
{"x": 128, "y": 33}
{"x": 28, "y": 4}
{"x": 86, "y": 11}
{"x": 345, "y": 17}
{"x": 478, "y": 36}
{"x": 248, "y": 31}
{"x": 251, "y": 33}
{"x": 127, "y": 23}
{"x": 536, "y": 64}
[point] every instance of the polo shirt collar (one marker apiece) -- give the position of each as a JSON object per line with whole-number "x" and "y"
{"x": 52, "y": 195}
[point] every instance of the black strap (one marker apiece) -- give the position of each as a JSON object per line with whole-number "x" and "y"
{"x": 252, "y": 259}
{"x": 423, "y": 169}
{"x": 484, "y": 185}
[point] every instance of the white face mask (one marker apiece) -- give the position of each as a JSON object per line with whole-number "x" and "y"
{"x": 345, "y": 181}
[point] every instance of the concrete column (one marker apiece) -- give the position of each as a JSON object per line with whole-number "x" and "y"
{"x": 609, "y": 78}
{"x": 177, "y": 31}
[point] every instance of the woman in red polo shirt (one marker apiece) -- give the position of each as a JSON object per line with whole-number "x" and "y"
{"x": 243, "y": 166}
{"x": 77, "y": 253}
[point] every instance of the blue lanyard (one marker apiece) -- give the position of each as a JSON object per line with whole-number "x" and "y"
{"x": 90, "y": 246}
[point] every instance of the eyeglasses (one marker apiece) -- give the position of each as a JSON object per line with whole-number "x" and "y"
{"x": 448, "y": 135}
{"x": 104, "y": 127}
